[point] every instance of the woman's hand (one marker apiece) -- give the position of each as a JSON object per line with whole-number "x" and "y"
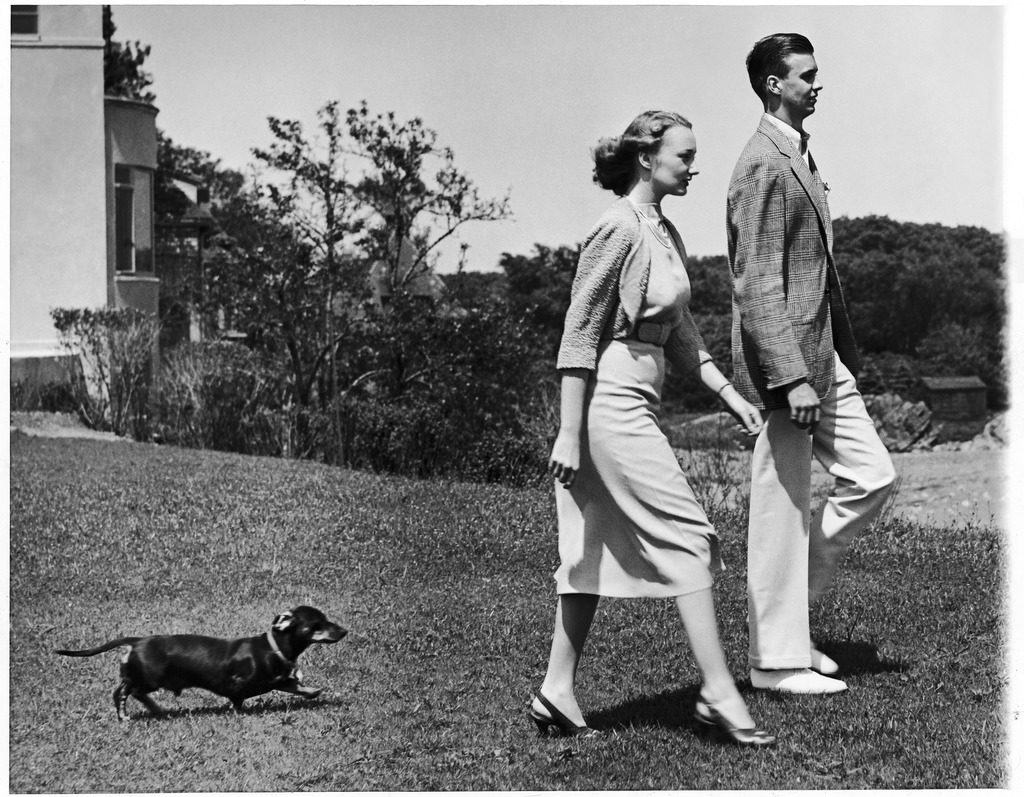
{"x": 565, "y": 458}
{"x": 742, "y": 410}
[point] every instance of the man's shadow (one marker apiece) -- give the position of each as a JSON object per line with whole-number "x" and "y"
{"x": 861, "y": 658}
{"x": 673, "y": 709}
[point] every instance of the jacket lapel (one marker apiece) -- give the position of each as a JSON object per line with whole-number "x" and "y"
{"x": 811, "y": 183}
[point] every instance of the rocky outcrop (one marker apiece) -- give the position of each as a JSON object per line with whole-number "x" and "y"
{"x": 902, "y": 425}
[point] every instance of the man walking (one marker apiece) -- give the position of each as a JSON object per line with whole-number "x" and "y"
{"x": 794, "y": 358}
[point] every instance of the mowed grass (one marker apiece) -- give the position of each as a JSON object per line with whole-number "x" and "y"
{"x": 447, "y": 592}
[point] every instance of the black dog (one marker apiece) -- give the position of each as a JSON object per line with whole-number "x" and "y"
{"x": 233, "y": 668}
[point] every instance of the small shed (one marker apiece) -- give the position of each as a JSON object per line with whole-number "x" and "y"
{"x": 956, "y": 398}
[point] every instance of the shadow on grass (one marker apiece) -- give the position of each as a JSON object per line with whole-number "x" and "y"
{"x": 671, "y": 709}
{"x": 226, "y": 709}
{"x": 861, "y": 658}
{"x": 674, "y": 709}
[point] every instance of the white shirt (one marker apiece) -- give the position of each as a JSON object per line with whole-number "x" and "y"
{"x": 799, "y": 139}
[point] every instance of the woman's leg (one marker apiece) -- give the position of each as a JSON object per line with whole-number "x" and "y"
{"x": 572, "y": 624}
{"x": 697, "y": 610}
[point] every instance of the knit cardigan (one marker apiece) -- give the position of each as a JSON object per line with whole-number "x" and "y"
{"x": 608, "y": 293}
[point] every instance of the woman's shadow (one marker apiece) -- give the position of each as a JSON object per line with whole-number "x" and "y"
{"x": 674, "y": 708}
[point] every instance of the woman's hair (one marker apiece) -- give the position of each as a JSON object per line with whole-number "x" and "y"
{"x": 768, "y": 57}
{"x": 615, "y": 161}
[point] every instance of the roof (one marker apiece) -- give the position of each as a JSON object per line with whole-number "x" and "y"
{"x": 953, "y": 383}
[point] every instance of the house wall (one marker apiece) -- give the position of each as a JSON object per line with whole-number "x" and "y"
{"x": 58, "y": 240}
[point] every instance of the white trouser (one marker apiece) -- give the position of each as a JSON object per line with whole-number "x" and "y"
{"x": 791, "y": 558}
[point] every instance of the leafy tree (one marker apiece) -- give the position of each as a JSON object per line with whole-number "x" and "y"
{"x": 710, "y": 285}
{"x": 477, "y": 290}
{"x": 123, "y": 75}
{"x": 412, "y": 197}
{"x": 904, "y": 281}
{"x": 175, "y": 160}
{"x": 539, "y": 287}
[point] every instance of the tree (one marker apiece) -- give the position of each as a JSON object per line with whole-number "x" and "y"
{"x": 123, "y": 75}
{"x": 413, "y": 198}
{"x": 539, "y": 287}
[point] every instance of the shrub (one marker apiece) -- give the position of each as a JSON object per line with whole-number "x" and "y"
{"x": 223, "y": 396}
{"x": 957, "y": 350}
{"x": 434, "y": 393}
{"x": 114, "y": 348}
{"x": 890, "y": 373}
{"x": 30, "y": 396}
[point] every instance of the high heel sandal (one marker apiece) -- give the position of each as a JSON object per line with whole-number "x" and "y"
{"x": 709, "y": 718}
{"x": 557, "y": 724}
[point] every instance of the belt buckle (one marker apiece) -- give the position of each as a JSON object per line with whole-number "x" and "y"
{"x": 650, "y": 332}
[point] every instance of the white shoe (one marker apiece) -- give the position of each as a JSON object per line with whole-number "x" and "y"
{"x": 796, "y": 682}
{"x": 821, "y": 663}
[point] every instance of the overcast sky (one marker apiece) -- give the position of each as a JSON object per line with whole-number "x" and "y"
{"x": 908, "y": 125}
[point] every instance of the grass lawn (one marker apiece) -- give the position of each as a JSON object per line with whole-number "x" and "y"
{"x": 447, "y": 592}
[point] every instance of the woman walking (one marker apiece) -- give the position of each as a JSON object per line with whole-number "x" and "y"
{"x": 629, "y": 525}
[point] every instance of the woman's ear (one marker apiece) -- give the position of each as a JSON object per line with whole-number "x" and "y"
{"x": 644, "y": 159}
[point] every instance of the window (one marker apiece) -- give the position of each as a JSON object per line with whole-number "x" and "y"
{"x": 25, "y": 20}
{"x": 133, "y": 218}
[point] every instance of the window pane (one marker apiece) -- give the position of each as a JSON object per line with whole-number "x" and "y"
{"x": 123, "y": 239}
{"x": 142, "y": 181}
{"x": 25, "y": 19}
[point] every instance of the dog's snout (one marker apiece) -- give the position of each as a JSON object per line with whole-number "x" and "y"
{"x": 329, "y": 633}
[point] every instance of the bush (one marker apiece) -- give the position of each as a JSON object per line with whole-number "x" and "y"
{"x": 891, "y": 373}
{"x": 223, "y": 396}
{"x": 29, "y": 396}
{"x": 957, "y": 350}
{"x": 114, "y": 348}
{"x": 435, "y": 393}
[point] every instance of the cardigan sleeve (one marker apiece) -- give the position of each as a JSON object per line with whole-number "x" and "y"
{"x": 595, "y": 293}
{"x": 685, "y": 344}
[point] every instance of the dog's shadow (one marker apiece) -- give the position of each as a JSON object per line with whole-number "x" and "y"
{"x": 256, "y": 708}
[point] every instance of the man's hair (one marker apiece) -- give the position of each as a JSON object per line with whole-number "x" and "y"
{"x": 768, "y": 57}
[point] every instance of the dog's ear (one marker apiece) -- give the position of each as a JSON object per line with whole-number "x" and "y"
{"x": 283, "y": 621}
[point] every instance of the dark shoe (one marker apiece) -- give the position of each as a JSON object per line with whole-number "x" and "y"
{"x": 556, "y": 723}
{"x": 710, "y": 719}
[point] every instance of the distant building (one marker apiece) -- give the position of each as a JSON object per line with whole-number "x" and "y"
{"x": 956, "y": 398}
{"x": 81, "y": 190}
{"x": 958, "y": 405}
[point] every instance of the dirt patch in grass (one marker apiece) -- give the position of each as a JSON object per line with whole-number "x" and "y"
{"x": 56, "y": 424}
{"x": 950, "y": 488}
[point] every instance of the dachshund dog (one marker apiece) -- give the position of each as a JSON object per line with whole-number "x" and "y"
{"x": 233, "y": 668}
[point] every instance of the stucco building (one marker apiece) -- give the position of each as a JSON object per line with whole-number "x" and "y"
{"x": 81, "y": 188}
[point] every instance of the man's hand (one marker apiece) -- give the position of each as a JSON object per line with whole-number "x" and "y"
{"x": 804, "y": 406}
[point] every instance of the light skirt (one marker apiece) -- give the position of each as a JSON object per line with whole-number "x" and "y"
{"x": 630, "y": 526}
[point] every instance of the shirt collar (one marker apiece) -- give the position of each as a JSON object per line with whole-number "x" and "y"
{"x": 799, "y": 139}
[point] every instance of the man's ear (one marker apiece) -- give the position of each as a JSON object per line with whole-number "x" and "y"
{"x": 772, "y": 84}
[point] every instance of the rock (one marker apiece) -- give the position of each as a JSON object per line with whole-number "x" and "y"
{"x": 902, "y": 425}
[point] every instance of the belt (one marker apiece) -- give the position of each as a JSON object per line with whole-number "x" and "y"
{"x": 652, "y": 332}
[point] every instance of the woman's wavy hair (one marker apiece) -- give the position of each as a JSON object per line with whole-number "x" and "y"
{"x": 615, "y": 161}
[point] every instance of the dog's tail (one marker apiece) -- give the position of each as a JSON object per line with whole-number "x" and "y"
{"x": 114, "y": 643}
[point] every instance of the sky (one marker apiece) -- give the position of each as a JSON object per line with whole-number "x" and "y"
{"x": 909, "y": 124}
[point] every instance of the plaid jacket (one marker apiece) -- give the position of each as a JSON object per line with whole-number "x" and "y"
{"x": 789, "y": 314}
{"x": 608, "y": 291}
